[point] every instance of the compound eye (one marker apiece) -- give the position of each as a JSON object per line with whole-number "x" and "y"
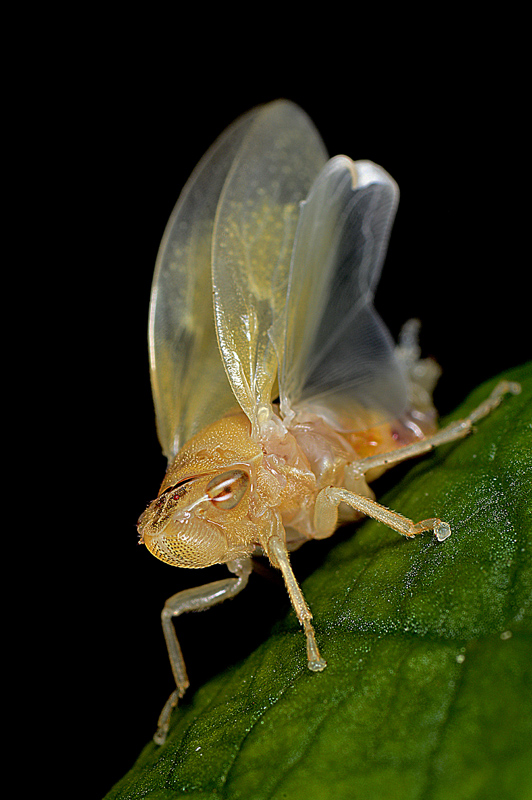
{"x": 228, "y": 489}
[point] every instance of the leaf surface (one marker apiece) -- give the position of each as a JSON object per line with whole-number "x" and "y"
{"x": 428, "y": 690}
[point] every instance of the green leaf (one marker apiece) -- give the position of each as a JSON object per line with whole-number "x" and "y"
{"x": 427, "y": 694}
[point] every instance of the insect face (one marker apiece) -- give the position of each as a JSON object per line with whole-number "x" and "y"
{"x": 186, "y": 526}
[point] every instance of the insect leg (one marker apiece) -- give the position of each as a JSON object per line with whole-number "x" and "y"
{"x": 279, "y": 557}
{"x": 326, "y": 514}
{"x": 328, "y": 500}
{"x": 452, "y": 432}
{"x": 198, "y": 598}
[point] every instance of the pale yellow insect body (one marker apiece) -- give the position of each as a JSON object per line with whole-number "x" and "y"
{"x": 263, "y": 292}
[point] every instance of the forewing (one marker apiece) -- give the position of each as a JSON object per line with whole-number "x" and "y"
{"x": 339, "y": 355}
{"x": 189, "y": 384}
{"x": 256, "y": 221}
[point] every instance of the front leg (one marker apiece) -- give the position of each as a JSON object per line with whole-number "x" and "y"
{"x": 274, "y": 544}
{"x": 278, "y": 555}
{"x": 198, "y": 598}
{"x": 326, "y": 515}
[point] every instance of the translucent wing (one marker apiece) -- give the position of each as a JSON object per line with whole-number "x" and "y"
{"x": 339, "y": 355}
{"x": 256, "y": 221}
{"x": 189, "y": 384}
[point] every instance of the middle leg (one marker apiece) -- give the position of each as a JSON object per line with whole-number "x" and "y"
{"x": 326, "y": 515}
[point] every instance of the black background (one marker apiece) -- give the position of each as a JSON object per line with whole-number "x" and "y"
{"x": 126, "y": 135}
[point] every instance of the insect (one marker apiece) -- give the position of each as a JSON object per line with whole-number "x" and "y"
{"x": 279, "y": 393}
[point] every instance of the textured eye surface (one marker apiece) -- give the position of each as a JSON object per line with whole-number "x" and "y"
{"x": 228, "y": 489}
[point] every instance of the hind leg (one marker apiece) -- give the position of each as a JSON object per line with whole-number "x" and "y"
{"x": 328, "y": 500}
{"x": 452, "y": 432}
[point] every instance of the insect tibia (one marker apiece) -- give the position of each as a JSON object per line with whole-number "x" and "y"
{"x": 326, "y": 511}
{"x": 277, "y": 549}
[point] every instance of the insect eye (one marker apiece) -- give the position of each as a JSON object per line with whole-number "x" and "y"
{"x": 228, "y": 489}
